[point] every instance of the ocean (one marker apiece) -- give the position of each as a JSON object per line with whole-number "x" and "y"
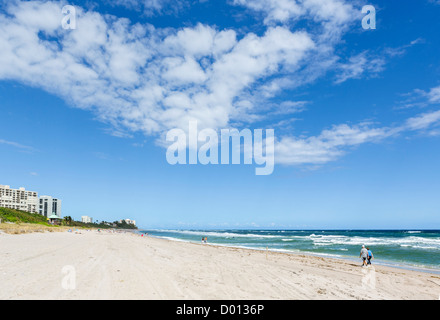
{"x": 414, "y": 249}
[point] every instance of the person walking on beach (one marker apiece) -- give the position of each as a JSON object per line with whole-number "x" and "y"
{"x": 370, "y": 256}
{"x": 364, "y": 256}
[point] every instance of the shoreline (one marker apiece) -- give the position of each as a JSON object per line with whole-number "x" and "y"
{"x": 389, "y": 264}
{"x": 125, "y": 265}
{"x": 385, "y": 263}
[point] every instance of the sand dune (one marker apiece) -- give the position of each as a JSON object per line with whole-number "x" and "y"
{"x": 94, "y": 265}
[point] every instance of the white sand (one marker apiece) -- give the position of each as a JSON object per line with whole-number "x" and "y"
{"x": 127, "y": 266}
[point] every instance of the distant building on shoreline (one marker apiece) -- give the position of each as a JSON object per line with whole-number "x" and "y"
{"x": 86, "y": 219}
{"x": 49, "y": 206}
{"x": 18, "y": 199}
{"x": 128, "y": 221}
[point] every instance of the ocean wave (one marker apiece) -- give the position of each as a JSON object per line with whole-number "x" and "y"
{"x": 321, "y": 254}
{"x": 171, "y": 239}
{"x": 221, "y": 234}
{"x": 411, "y": 240}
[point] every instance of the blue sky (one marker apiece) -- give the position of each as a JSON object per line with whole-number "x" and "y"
{"x": 84, "y": 112}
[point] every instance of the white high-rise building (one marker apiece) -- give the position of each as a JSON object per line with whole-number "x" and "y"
{"x": 18, "y": 199}
{"x": 86, "y": 219}
{"x": 49, "y": 206}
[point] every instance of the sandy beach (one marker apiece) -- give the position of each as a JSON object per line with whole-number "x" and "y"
{"x": 92, "y": 265}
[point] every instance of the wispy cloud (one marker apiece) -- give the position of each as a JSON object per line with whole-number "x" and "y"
{"x": 101, "y": 155}
{"x": 333, "y": 143}
{"x": 359, "y": 66}
{"x": 423, "y": 121}
{"x": 330, "y": 145}
{"x": 434, "y": 95}
{"x": 152, "y": 7}
{"x": 420, "y": 98}
{"x": 328, "y": 12}
{"x": 369, "y": 65}
{"x": 17, "y": 145}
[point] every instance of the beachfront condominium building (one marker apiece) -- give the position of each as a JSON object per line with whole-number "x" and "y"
{"x": 49, "y": 206}
{"x": 19, "y": 199}
{"x": 86, "y": 219}
{"x": 128, "y": 221}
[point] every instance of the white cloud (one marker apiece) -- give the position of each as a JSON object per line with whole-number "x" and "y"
{"x": 17, "y": 145}
{"x": 183, "y": 70}
{"x": 282, "y": 10}
{"x": 333, "y": 143}
{"x": 420, "y": 98}
{"x": 328, "y": 146}
{"x": 138, "y": 78}
{"x": 290, "y": 107}
{"x": 434, "y": 95}
{"x": 359, "y": 66}
{"x": 152, "y": 7}
{"x": 423, "y": 121}
{"x": 330, "y": 12}
{"x": 367, "y": 64}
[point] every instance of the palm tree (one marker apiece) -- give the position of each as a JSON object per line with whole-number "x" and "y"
{"x": 68, "y": 220}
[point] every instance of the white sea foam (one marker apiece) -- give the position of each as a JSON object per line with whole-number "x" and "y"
{"x": 221, "y": 234}
{"x": 321, "y": 240}
{"x": 412, "y": 241}
{"x": 329, "y": 245}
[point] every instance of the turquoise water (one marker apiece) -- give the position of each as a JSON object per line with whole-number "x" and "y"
{"x": 406, "y": 248}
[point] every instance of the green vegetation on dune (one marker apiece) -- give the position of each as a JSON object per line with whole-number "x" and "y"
{"x": 17, "y": 216}
{"x": 68, "y": 221}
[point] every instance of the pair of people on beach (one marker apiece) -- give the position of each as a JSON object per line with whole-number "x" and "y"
{"x": 366, "y": 256}
{"x": 205, "y": 240}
